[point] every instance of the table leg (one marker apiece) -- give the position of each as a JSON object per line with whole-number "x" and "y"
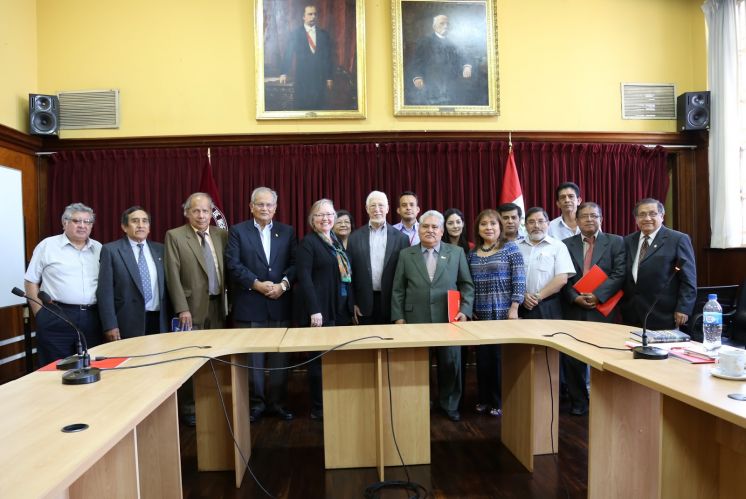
{"x": 530, "y": 409}
{"x": 357, "y": 421}
{"x": 158, "y": 452}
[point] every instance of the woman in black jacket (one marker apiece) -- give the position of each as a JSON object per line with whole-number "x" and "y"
{"x": 324, "y": 285}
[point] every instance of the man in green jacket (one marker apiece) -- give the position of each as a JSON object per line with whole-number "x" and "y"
{"x": 424, "y": 275}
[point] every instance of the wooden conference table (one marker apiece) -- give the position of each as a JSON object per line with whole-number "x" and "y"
{"x": 657, "y": 429}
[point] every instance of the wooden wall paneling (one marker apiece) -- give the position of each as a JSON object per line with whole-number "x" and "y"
{"x": 17, "y": 150}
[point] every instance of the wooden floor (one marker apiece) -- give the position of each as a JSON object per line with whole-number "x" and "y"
{"x": 468, "y": 460}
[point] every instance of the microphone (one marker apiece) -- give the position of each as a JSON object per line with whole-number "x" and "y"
{"x": 77, "y": 366}
{"x": 652, "y": 353}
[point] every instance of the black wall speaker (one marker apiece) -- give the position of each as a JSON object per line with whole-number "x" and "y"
{"x": 693, "y": 111}
{"x": 43, "y": 114}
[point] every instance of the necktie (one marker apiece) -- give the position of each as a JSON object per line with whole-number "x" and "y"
{"x": 431, "y": 263}
{"x": 212, "y": 275}
{"x": 588, "y": 254}
{"x": 142, "y": 266}
{"x": 643, "y": 249}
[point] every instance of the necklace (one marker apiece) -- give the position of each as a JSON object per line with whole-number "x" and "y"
{"x": 487, "y": 250}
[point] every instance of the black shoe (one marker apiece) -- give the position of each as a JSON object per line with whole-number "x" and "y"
{"x": 579, "y": 410}
{"x": 284, "y": 414}
{"x": 255, "y": 415}
{"x": 454, "y": 416}
{"x": 317, "y": 414}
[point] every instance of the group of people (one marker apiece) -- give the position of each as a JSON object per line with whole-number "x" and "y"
{"x": 339, "y": 275}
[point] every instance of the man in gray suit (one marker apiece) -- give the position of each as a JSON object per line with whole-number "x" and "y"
{"x": 131, "y": 284}
{"x": 590, "y": 247}
{"x": 374, "y": 252}
{"x": 424, "y": 275}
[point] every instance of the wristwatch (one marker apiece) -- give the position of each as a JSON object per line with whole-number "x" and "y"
{"x": 284, "y": 286}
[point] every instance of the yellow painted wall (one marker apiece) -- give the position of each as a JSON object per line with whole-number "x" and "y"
{"x": 186, "y": 66}
{"x": 18, "y": 56}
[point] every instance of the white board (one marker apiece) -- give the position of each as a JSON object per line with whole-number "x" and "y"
{"x": 13, "y": 244}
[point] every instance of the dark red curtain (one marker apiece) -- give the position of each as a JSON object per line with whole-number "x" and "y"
{"x": 301, "y": 174}
{"x": 110, "y": 181}
{"x": 615, "y": 176}
{"x": 468, "y": 175}
{"x": 464, "y": 175}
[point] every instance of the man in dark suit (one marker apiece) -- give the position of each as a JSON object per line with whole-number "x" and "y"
{"x": 195, "y": 278}
{"x": 131, "y": 281}
{"x": 438, "y": 71}
{"x": 424, "y": 275}
{"x": 374, "y": 252}
{"x": 590, "y": 247}
{"x": 309, "y": 52}
{"x": 260, "y": 258}
{"x": 654, "y": 254}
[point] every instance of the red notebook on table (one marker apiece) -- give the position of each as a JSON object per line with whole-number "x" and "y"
{"x": 590, "y": 282}
{"x": 101, "y": 364}
{"x": 454, "y": 304}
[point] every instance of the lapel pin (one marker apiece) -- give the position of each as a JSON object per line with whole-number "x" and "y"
{"x": 442, "y": 257}
{"x": 277, "y": 235}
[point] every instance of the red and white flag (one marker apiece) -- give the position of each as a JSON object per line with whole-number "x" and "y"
{"x": 207, "y": 185}
{"x": 511, "y": 189}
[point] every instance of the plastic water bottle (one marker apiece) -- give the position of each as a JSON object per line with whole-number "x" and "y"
{"x": 712, "y": 323}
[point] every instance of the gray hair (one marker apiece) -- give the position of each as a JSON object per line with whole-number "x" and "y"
{"x": 433, "y": 213}
{"x": 435, "y": 19}
{"x": 315, "y": 206}
{"x": 188, "y": 202}
{"x": 376, "y": 194}
{"x": 260, "y": 190}
{"x": 74, "y": 208}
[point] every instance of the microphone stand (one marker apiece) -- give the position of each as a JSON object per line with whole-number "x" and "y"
{"x": 647, "y": 352}
{"x": 79, "y": 367}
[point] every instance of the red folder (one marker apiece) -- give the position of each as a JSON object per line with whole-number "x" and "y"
{"x": 101, "y": 364}
{"x": 454, "y": 304}
{"x": 590, "y": 282}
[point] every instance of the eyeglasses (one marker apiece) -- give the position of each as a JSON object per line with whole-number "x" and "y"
{"x": 324, "y": 215}
{"x": 78, "y": 221}
{"x": 262, "y": 206}
{"x": 536, "y": 222}
{"x": 589, "y": 216}
{"x": 646, "y": 214}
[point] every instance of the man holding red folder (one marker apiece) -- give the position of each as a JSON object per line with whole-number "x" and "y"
{"x": 592, "y": 293}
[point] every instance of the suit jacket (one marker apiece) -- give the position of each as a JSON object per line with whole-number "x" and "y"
{"x": 319, "y": 282}
{"x": 121, "y": 303}
{"x": 312, "y": 70}
{"x": 610, "y": 255}
{"x": 246, "y": 262}
{"x": 418, "y": 300}
{"x": 358, "y": 248}
{"x": 669, "y": 248}
{"x": 186, "y": 274}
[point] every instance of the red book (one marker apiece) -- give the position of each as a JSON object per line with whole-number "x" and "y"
{"x": 101, "y": 364}
{"x": 454, "y": 304}
{"x": 590, "y": 282}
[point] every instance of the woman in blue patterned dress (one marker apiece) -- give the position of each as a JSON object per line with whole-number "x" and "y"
{"x": 500, "y": 281}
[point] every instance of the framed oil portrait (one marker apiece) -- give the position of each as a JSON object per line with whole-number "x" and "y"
{"x": 310, "y": 59}
{"x": 445, "y": 58}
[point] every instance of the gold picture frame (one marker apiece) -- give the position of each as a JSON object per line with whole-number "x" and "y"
{"x": 310, "y": 74}
{"x": 445, "y": 67}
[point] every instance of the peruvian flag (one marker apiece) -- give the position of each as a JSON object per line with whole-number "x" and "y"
{"x": 511, "y": 189}
{"x": 207, "y": 185}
